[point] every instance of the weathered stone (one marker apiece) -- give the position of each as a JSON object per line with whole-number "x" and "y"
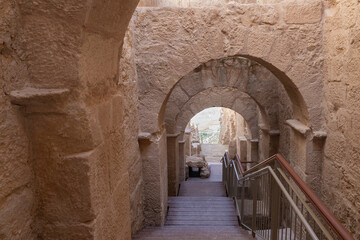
{"x": 303, "y": 12}
{"x": 86, "y": 136}
{"x": 196, "y": 161}
{"x": 205, "y": 172}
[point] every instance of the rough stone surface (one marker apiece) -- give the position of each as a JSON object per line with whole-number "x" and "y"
{"x": 169, "y": 46}
{"x": 70, "y": 167}
{"x": 205, "y": 171}
{"x": 201, "y": 3}
{"x": 232, "y": 126}
{"x": 16, "y": 175}
{"x": 340, "y": 167}
{"x": 128, "y": 83}
{"x": 72, "y": 172}
{"x": 221, "y": 82}
{"x": 154, "y": 159}
{"x": 196, "y": 161}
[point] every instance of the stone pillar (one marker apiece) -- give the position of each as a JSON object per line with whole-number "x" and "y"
{"x": 232, "y": 149}
{"x": 187, "y": 139}
{"x": 314, "y": 156}
{"x": 306, "y": 153}
{"x": 173, "y": 163}
{"x": 253, "y": 150}
{"x": 264, "y": 139}
{"x": 181, "y": 161}
{"x": 274, "y": 142}
{"x": 242, "y": 149}
{"x": 154, "y": 157}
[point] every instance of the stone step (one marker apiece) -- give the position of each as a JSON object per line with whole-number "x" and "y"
{"x": 188, "y": 222}
{"x": 202, "y": 217}
{"x": 200, "y": 214}
{"x": 202, "y": 189}
{"x": 202, "y": 209}
{"x": 200, "y": 199}
{"x": 200, "y": 204}
{"x": 193, "y": 232}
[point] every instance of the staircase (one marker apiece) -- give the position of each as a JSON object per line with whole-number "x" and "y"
{"x": 200, "y": 212}
{"x": 271, "y": 200}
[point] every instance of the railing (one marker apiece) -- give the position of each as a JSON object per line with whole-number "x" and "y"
{"x": 273, "y": 202}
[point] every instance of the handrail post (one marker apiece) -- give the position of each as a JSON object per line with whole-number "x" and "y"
{"x": 254, "y": 187}
{"x": 275, "y": 209}
{"x": 242, "y": 201}
{"x": 223, "y": 170}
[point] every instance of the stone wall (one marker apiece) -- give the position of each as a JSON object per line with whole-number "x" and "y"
{"x": 16, "y": 175}
{"x": 341, "y": 166}
{"x": 129, "y": 93}
{"x": 154, "y": 157}
{"x": 285, "y": 38}
{"x": 200, "y": 3}
{"x": 227, "y": 126}
{"x": 60, "y": 71}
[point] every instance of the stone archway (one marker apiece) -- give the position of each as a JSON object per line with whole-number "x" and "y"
{"x": 215, "y": 97}
{"x": 177, "y": 117}
{"x": 171, "y": 47}
{"x": 165, "y": 54}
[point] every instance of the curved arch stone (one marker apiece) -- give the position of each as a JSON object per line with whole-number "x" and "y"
{"x": 171, "y": 41}
{"x": 227, "y": 97}
{"x": 234, "y": 74}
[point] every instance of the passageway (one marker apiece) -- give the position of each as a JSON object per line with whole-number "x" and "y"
{"x": 201, "y": 211}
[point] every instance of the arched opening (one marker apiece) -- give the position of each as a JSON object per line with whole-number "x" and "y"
{"x": 238, "y": 82}
{"x": 208, "y": 135}
{"x": 69, "y": 115}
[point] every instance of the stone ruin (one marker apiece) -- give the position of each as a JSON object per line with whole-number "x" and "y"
{"x": 96, "y": 96}
{"x": 198, "y": 162}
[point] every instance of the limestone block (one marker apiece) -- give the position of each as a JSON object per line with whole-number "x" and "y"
{"x": 205, "y": 172}
{"x": 51, "y": 46}
{"x": 62, "y": 8}
{"x": 282, "y": 53}
{"x": 135, "y": 173}
{"x": 232, "y": 149}
{"x": 259, "y": 43}
{"x": 71, "y": 231}
{"x": 178, "y": 96}
{"x": 203, "y": 48}
{"x": 109, "y": 18}
{"x": 15, "y": 170}
{"x": 298, "y": 126}
{"x": 36, "y": 96}
{"x": 95, "y": 75}
{"x": 64, "y": 188}
{"x": 192, "y": 84}
{"x": 16, "y": 215}
{"x": 117, "y": 104}
{"x": 304, "y": 12}
{"x": 196, "y": 161}
{"x": 65, "y": 133}
{"x": 147, "y": 114}
{"x": 154, "y": 158}
{"x": 137, "y": 207}
{"x": 113, "y": 218}
{"x": 104, "y": 116}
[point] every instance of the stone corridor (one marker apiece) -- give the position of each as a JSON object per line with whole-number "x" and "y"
{"x": 97, "y": 95}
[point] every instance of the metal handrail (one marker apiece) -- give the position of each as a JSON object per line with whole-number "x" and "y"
{"x": 235, "y": 173}
{"x": 326, "y": 232}
{"x": 293, "y": 204}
